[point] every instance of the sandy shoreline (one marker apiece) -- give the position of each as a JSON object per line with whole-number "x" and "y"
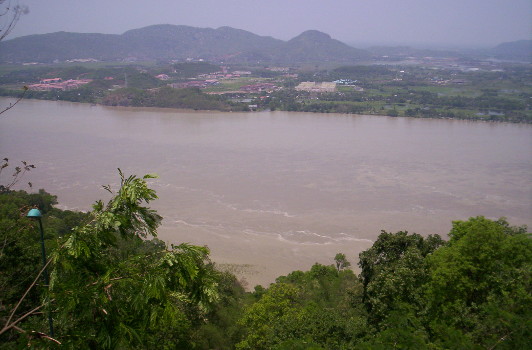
{"x": 260, "y": 260}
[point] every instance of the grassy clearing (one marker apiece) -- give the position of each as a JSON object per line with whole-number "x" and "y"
{"x": 235, "y": 84}
{"x": 466, "y": 91}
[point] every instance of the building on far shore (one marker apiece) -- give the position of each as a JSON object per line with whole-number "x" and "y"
{"x": 312, "y": 86}
{"x": 59, "y": 84}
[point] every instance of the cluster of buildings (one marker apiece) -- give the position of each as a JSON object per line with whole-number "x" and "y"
{"x": 312, "y": 86}
{"x": 258, "y": 87}
{"x": 163, "y": 77}
{"x": 345, "y": 82}
{"x": 278, "y": 69}
{"x": 58, "y": 84}
{"x": 81, "y": 60}
{"x": 223, "y": 75}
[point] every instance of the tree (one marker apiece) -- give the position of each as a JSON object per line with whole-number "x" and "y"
{"x": 403, "y": 330}
{"x": 341, "y": 261}
{"x": 222, "y": 330}
{"x": 393, "y": 272}
{"x": 104, "y": 296}
{"x": 480, "y": 283}
{"x": 19, "y": 253}
{"x": 319, "y": 308}
{"x": 271, "y": 319}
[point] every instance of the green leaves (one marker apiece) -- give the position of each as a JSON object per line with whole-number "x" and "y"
{"x": 113, "y": 289}
{"x": 265, "y": 318}
{"x": 485, "y": 263}
{"x": 320, "y": 308}
{"x": 341, "y": 261}
{"x": 124, "y": 214}
{"x": 475, "y": 290}
{"x": 393, "y": 271}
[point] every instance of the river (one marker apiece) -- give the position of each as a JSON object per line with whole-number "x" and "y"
{"x": 270, "y": 192}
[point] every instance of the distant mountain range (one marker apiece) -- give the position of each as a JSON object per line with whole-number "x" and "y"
{"x": 174, "y": 42}
{"x": 224, "y": 44}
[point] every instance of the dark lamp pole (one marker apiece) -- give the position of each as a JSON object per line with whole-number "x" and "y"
{"x": 36, "y": 214}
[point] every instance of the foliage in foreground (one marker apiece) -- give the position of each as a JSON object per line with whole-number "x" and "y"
{"x": 114, "y": 288}
{"x": 109, "y": 288}
{"x": 414, "y": 292}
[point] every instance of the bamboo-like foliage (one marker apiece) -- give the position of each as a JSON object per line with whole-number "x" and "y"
{"x": 112, "y": 288}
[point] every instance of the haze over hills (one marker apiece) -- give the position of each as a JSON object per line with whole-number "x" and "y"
{"x": 224, "y": 44}
{"x": 515, "y": 50}
{"x": 511, "y": 51}
{"x": 174, "y": 42}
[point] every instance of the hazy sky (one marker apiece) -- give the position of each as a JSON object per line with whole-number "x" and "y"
{"x": 442, "y": 22}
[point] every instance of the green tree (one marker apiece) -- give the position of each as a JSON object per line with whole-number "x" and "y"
{"x": 393, "y": 272}
{"x": 270, "y": 319}
{"x": 480, "y": 283}
{"x": 20, "y": 254}
{"x": 402, "y": 330}
{"x": 106, "y": 297}
{"x": 319, "y": 308}
{"x": 222, "y": 330}
{"x": 341, "y": 261}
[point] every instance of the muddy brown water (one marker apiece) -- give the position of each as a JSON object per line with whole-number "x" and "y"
{"x": 270, "y": 192}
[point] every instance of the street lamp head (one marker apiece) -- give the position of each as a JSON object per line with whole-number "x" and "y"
{"x": 34, "y": 214}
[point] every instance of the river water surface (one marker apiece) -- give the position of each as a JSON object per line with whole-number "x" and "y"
{"x": 278, "y": 191}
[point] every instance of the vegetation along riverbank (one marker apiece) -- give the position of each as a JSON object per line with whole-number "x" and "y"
{"x": 494, "y": 93}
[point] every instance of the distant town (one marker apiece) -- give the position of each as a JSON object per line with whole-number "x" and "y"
{"x": 431, "y": 88}
{"x": 164, "y": 66}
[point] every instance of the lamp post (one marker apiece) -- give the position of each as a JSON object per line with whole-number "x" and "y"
{"x": 36, "y": 214}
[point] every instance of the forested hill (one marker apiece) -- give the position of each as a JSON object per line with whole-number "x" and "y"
{"x": 167, "y": 42}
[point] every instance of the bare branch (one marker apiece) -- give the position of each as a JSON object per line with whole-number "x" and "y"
{"x": 26, "y": 293}
{"x": 17, "y": 175}
{"x": 500, "y": 340}
{"x": 21, "y": 318}
{"x": 11, "y": 105}
{"x": 34, "y": 333}
{"x": 11, "y": 12}
{"x": 111, "y": 279}
{"x": 45, "y": 336}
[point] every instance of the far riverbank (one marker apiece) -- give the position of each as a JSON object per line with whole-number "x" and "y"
{"x": 194, "y": 99}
